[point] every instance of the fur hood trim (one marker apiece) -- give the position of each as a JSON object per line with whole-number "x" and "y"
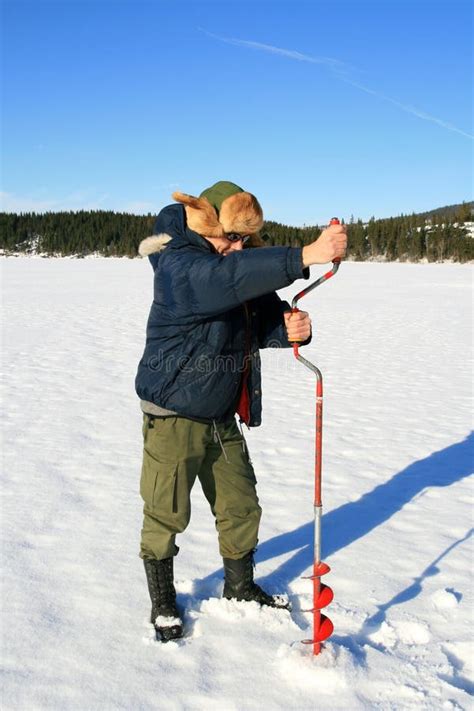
{"x": 155, "y": 243}
{"x": 239, "y": 213}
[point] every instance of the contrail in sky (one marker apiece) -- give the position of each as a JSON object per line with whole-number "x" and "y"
{"x": 340, "y": 71}
{"x": 290, "y": 53}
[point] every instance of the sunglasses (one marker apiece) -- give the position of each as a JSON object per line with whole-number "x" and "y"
{"x": 235, "y": 237}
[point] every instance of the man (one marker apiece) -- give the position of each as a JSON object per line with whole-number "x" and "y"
{"x": 214, "y": 307}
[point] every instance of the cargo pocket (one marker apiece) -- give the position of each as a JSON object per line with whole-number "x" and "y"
{"x": 158, "y": 485}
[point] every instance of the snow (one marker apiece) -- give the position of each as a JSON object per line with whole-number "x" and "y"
{"x": 162, "y": 621}
{"x": 393, "y": 342}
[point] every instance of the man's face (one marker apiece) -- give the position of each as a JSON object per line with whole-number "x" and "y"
{"x": 224, "y": 246}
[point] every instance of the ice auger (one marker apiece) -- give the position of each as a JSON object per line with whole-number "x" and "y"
{"x": 322, "y": 594}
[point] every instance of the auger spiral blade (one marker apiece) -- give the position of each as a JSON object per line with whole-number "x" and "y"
{"x": 325, "y": 630}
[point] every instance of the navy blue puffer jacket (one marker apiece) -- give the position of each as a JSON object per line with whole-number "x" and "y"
{"x": 210, "y": 315}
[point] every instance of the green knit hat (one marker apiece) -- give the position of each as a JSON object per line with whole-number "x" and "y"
{"x": 218, "y": 192}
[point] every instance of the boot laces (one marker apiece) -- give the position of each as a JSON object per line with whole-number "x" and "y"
{"x": 166, "y": 589}
{"x": 160, "y": 580}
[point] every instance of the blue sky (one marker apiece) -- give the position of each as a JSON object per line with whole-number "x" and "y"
{"x": 318, "y": 107}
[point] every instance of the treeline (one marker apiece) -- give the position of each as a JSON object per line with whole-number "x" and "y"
{"x": 111, "y": 234}
{"x": 433, "y": 236}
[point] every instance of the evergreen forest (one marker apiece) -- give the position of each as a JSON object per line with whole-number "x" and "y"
{"x": 433, "y": 236}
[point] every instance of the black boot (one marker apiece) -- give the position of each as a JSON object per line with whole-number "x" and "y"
{"x": 239, "y": 583}
{"x": 164, "y": 613}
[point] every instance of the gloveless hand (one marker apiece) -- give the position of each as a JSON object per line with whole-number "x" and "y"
{"x": 331, "y": 244}
{"x": 298, "y": 325}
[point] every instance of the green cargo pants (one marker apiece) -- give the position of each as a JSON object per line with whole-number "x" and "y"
{"x": 176, "y": 451}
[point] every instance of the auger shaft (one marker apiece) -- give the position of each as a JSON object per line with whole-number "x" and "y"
{"x": 322, "y": 594}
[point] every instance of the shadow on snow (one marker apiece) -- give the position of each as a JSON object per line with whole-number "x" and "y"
{"x": 372, "y": 624}
{"x": 357, "y": 642}
{"x": 356, "y": 519}
{"x": 353, "y": 521}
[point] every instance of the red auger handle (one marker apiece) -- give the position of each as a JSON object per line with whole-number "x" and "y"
{"x": 294, "y": 307}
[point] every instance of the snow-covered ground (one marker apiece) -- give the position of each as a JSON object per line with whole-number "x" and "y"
{"x": 393, "y": 341}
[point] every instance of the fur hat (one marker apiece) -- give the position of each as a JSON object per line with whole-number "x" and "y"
{"x": 224, "y": 207}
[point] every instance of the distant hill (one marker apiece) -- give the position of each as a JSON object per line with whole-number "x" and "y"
{"x": 450, "y": 210}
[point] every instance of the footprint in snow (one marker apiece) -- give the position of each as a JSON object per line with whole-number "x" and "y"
{"x": 385, "y": 636}
{"x": 412, "y": 632}
{"x": 445, "y": 599}
{"x": 408, "y": 632}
